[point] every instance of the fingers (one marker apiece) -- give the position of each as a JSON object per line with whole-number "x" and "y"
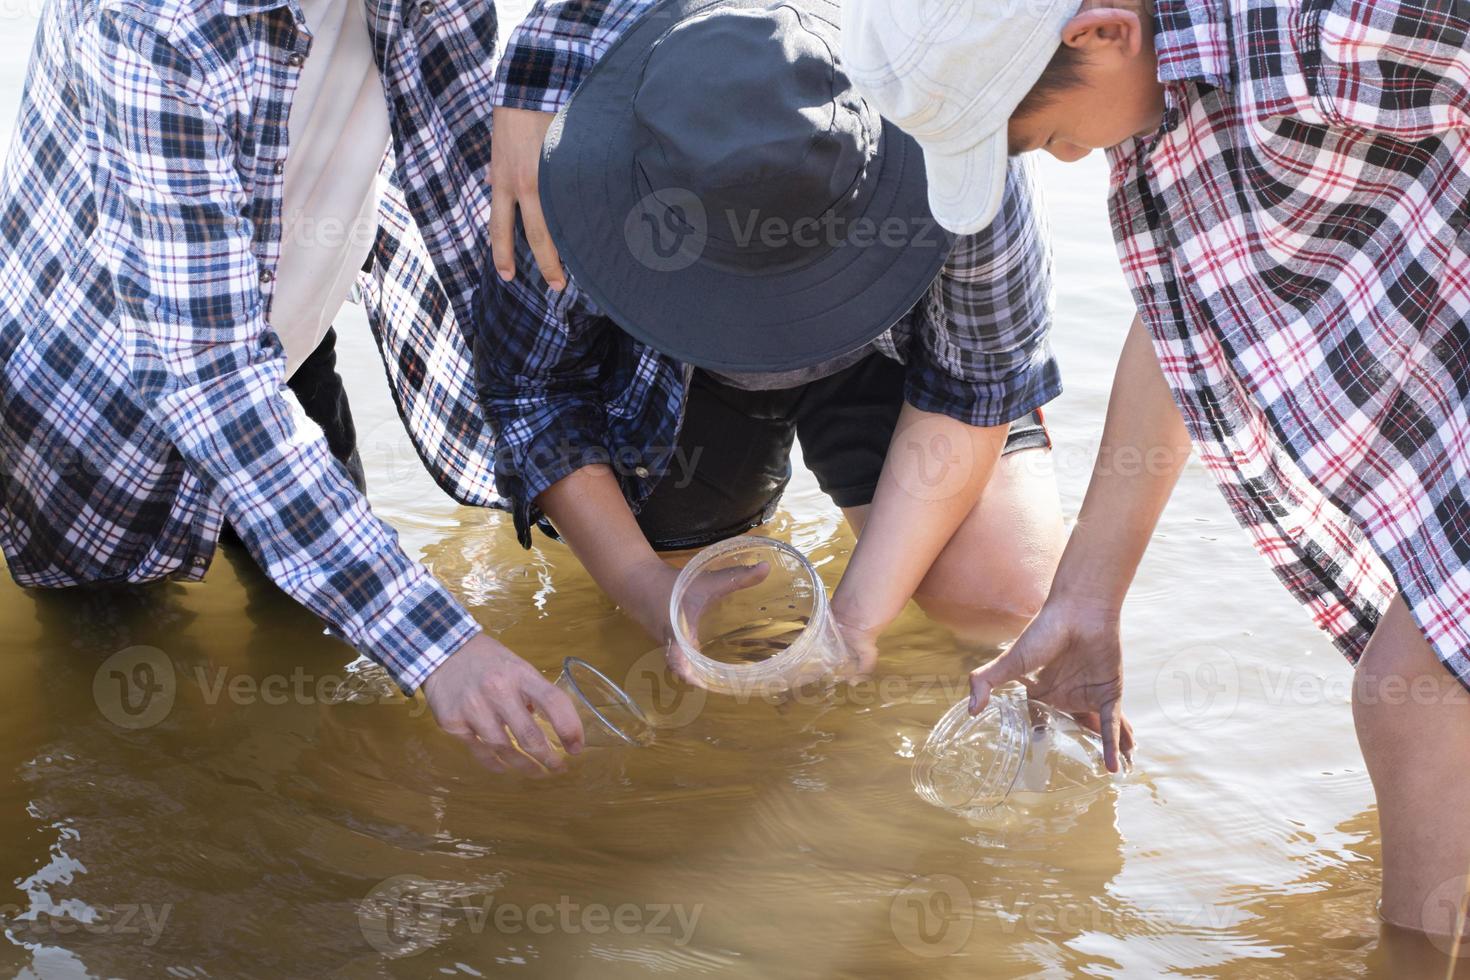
{"x": 730, "y": 580}
{"x": 521, "y": 721}
{"x": 547, "y": 257}
{"x": 1127, "y": 744}
{"x": 483, "y": 754}
{"x": 1009, "y": 666}
{"x": 493, "y": 737}
{"x": 557, "y": 708}
{"x": 503, "y": 233}
{"x": 679, "y": 664}
{"x": 1112, "y": 723}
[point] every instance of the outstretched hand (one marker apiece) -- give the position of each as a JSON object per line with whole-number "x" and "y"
{"x": 1075, "y": 653}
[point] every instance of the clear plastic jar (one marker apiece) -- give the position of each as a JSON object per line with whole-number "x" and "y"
{"x": 1016, "y": 749}
{"x": 767, "y": 637}
{"x": 609, "y": 716}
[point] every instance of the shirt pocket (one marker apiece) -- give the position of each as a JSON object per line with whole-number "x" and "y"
{"x": 1388, "y": 67}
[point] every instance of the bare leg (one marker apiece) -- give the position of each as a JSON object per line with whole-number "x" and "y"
{"x": 1413, "y": 721}
{"x": 992, "y": 577}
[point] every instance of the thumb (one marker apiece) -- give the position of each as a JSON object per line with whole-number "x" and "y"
{"x": 730, "y": 580}
{"x": 1008, "y": 667}
{"x": 1031, "y": 651}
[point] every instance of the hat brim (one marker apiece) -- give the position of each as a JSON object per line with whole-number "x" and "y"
{"x": 966, "y": 189}
{"x": 693, "y": 309}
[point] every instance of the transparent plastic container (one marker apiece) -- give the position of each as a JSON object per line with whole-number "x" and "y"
{"x": 609, "y": 716}
{"x": 769, "y": 637}
{"x": 1015, "y": 750}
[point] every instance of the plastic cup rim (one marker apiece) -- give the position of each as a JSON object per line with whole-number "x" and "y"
{"x": 622, "y": 697}
{"x": 796, "y": 653}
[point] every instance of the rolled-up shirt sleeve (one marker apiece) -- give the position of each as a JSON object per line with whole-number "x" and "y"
{"x": 981, "y": 351}
{"x": 541, "y": 363}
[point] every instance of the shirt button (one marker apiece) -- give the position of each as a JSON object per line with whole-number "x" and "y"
{"x": 426, "y": 8}
{"x": 296, "y": 60}
{"x": 642, "y": 472}
{"x": 267, "y": 276}
{"x": 279, "y": 168}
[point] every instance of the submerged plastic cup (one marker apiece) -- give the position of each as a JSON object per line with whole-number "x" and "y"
{"x": 609, "y": 717}
{"x": 1016, "y": 749}
{"x": 769, "y": 637}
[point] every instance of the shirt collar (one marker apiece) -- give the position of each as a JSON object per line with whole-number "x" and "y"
{"x": 1192, "y": 42}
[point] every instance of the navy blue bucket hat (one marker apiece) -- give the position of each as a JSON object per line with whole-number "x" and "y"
{"x": 719, "y": 189}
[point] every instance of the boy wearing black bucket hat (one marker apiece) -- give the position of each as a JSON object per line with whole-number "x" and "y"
{"x": 752, "y": 260}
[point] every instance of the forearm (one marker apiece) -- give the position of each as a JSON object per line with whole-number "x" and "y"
{"x": 935, "y": 472}
{"x": 594, "y": 519}
{"x": 1144, "y": 447}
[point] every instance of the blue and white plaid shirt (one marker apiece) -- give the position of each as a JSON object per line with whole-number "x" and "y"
{"x": 563, "y": 387}
{"x": 142, "y": 390}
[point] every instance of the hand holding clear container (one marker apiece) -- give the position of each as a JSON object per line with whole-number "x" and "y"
{"x": 751, "y": 618}
{"x": 1016, "y": 750}
{"x": 610, "y": 718}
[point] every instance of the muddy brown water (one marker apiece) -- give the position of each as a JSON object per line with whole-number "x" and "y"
{"x": 268, "y": 807}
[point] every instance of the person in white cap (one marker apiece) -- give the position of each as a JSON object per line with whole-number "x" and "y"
{"x": 1291, "y": 201}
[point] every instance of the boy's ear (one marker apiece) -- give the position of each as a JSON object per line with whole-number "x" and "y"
{"x": 1097, "y": 30}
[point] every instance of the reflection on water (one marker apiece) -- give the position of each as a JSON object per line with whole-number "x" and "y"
{"x": 196, "y": 779}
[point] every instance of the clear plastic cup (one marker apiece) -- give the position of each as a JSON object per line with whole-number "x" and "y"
{"x": 1016, "y": 749}
{"x": 609, "y": 716}
{"x": 768, "y": 637}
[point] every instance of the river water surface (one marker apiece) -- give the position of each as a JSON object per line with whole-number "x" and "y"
{"x": 277, "y": 811}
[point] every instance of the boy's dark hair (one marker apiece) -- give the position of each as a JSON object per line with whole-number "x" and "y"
{"x": 1063, "y": 71}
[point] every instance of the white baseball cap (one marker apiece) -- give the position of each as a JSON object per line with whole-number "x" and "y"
{"x": 950, "y": 73}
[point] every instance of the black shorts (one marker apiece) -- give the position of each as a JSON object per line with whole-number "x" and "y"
{"x": 738, "y": 444}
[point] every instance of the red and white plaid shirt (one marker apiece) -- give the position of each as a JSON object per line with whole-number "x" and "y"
{"x": 1297, "y": 238}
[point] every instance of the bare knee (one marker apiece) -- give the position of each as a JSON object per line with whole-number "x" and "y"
{"x": 986, "y": 605}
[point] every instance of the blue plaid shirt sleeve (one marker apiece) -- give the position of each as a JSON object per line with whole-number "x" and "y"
{"x": 555, "y": 47}
{"x": 211, "y": 373}
{"x": 982, "y": 347}
{"x": 542, "y": 363}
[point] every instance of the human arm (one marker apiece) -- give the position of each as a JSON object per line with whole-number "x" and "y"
{"x": 594, "y": 519}
{"x": 979, "y": 358}
{"x": 205, "y": 365}
{"x": 936, "y": 469}
{"x": 545, "y": 60}
{"x": 1074, "y": 642}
